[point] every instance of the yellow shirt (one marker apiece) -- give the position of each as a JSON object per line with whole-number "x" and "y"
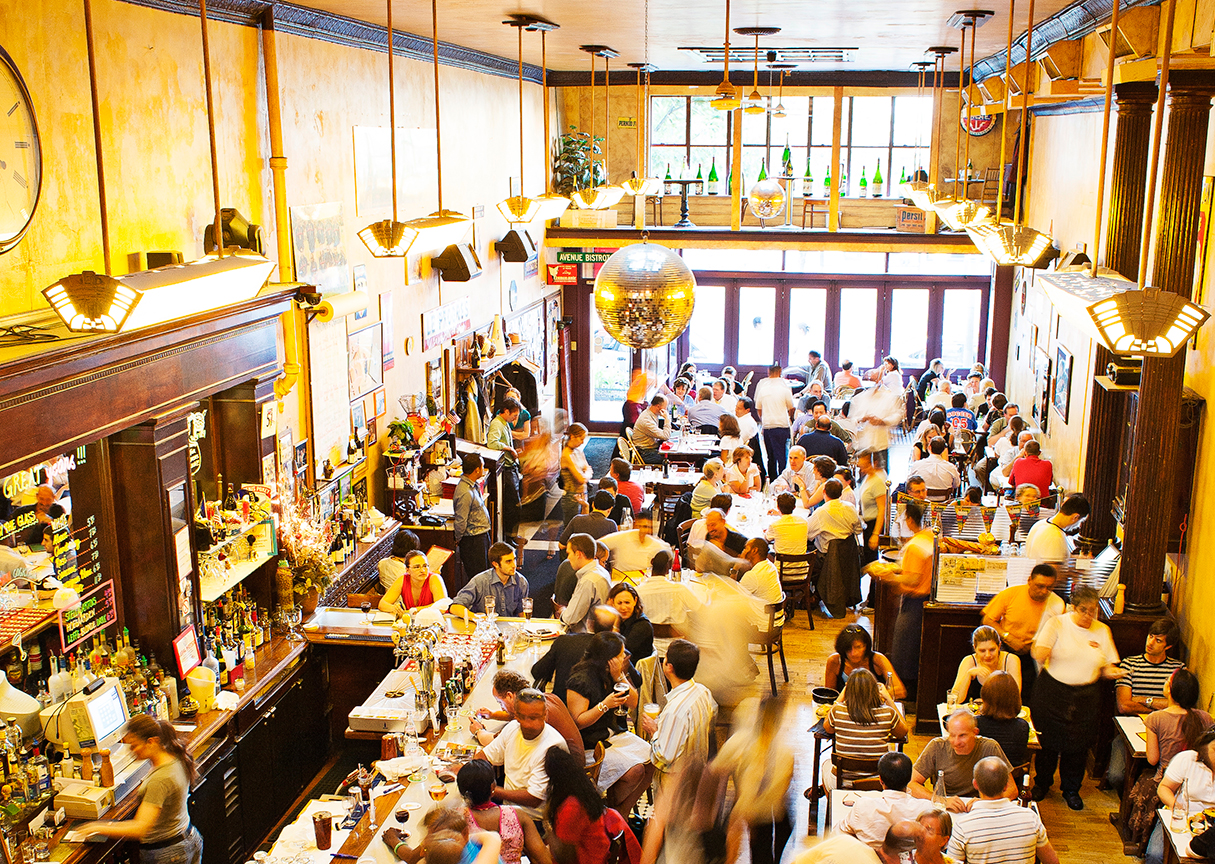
{"x": 1018, "y": 618}
{"x": 917, "y": 560}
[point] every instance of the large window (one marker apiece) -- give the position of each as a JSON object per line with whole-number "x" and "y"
{"x": 688, "y": 135}
{"x": 707, "y": 329}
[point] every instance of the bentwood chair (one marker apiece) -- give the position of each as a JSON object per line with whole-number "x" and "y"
{"x": 862, "y": 765}
{"x": 596, "y": 764}
{"x": 772, "y": 642}
{"x": 796, "y": 574}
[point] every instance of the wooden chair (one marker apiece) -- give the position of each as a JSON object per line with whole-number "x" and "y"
{"x": 666, "y": 499}
{"x": 843, "y": 392}
{"x": 856, "y": 765}
{"x": 991, "y": 186}
{"x": 655, "y": 209}
{"x": 772, "y": 641}
{"x": 796, "y": 572}
{"x": 596, "y": 764}
{"x": 963, "y": 447}
{"x": 940, "y": 495}
{"x": 685, "y": 529}
{"x": 914, "y": 414}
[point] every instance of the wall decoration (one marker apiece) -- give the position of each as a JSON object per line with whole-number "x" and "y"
{"x": 360, "y": 284}
{"x": 386, "y": 324}
{"x": 286, "y": 454}
{"x": 446, "y": 322}
{"x": 434, "y": 382}
{"x": 1042, "y": 390}
{"x": 301, "y": 456}
{"x": 371, "y": 430}
{"x": 365, "y": 362}
{"x": 269, "y": 420}
{"x": 318, "y": 237}
{"x": 358, "y": 419}
{"x": 552, "y": 318}
{"x": 269, "y": 475}
{"x": 381, "y": 403}
{"x": 1063, "y": 382}
{"x": 529, "y": 324}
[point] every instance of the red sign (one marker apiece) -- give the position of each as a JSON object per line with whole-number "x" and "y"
{"x": 562, "y": 274}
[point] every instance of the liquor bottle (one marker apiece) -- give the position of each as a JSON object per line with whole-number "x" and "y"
{"x": 700, "y": 179}
{"x": 843, "y": 181}
{"x": 808, "y": 182}
{"x": 786, "y": 160}
{"x": 864, "y": 184}
{"x": 763, "y": 170}
{"x": 211, "y": 663}
{"x": 667, "y": 188}
{"x": 219, "y": 491}
{"x": 827, "y": 183}
{"x": 903, "y": 176}
{"x": 938, "y": 790}
{"x": 713, "y": 176}
{"x": 877, "y": 181}
{"x": 42, "y": 770}
{"x": 230, "y": 498}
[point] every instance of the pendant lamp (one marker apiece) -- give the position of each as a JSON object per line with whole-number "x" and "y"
{"x": 754, "y": 103}
{"x": 726, "y": 98}
{"x": 922, "y": 192}
{"x": 921, "y": 67}
{"x": 1012, "y": 243}
{"x": 519, "y": 209}
{"x": 552, "y": 205}
{"x": 641, "y": 184}
{"x": 1127, "y": 317}
{"x": 598, "y": 197}
{"x": 779, "y": 110}
{"x": 959, "y": 210}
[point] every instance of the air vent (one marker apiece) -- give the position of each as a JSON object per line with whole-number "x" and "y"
{"x": 798, "y": 56}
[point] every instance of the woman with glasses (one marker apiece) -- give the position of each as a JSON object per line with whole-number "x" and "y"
{"x": 414, "y": 588}
{"x": 1076, "y": 651}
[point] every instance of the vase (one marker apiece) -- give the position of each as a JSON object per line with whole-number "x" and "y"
{"x": 310, "y": 601}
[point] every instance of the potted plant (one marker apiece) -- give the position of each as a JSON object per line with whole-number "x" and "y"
{"x": 303, "y": 542}
{"x": 572, "y": 167}
{"x": 311, "y": 576}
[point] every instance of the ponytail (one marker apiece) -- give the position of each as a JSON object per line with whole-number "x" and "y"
{"x": 1192, "y": 728}
{"x": 146, "y": 727}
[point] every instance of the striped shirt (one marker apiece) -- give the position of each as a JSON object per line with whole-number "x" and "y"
{"x": 997, "y": 832}
{"x": 862, "y": 739}
{"x": 1146, "y": 678}
{"x": 684, "y": 726}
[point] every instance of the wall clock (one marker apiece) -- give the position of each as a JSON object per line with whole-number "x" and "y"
{"x": 20, "y": 156}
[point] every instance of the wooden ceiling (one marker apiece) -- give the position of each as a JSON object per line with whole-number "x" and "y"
{"x": 888, "y": 34}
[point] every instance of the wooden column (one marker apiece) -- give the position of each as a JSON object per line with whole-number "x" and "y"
{"x": 833, "y": 205}
{"x": 1124, "y": 224}
{"x": 1155, "y": 448}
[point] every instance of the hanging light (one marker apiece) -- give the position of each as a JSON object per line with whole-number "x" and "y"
{"x": 922, "y": 192}
{"x": 641, "y": 184}
{"x": 726, "y": 95}
{"x": 519, "y": 209}
{"x": 754, "y": 103}
{"x": 598, "y": 197}
{"x": 645, "y": 295}
{"x": 1012, "y": 243}
{"x": 960, "y": 211}
{"x": 782, "y": 68}
{"x": 551, "y": 204}
{"x": 91, "y": 302}
{"x": 1127, "y": 317}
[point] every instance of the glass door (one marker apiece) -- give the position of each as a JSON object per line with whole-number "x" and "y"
{"x": 611, "y": 372}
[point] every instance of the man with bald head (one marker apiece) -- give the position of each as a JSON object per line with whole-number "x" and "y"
{"x": 39, "y": 515}
{"x": 799, "y": 475}
{"x": 995, "y": 830}
{"x": 957, "y": 756}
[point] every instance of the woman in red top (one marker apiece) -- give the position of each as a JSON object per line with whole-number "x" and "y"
{"x": 579, "y": 827}
{"x": 416, "y": 587}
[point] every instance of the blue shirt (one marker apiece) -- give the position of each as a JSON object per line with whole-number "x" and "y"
{"x": 961, "y": 418}
{"x": 705, "y": 413}
{"x": 508, "y": 598}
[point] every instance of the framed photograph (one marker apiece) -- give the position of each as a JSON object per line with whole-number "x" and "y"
{"x": 386, "y": 326}
{"x": 1063, "y": 382}
{"x": 286, "y": 453}
{"x": 301, "y": 456}
{"x": 434, "y": 381}
{"x": 185, "y": 649}
{"x": 360, "y": 284}
{"x": 365, "y": 361}
{"x": 358, "y": 420}
{"x": 318, "y": 241}
{"x": 1042, "y": 390}
{"x": 371, "y": 429}
{"x": 381, "y": 403}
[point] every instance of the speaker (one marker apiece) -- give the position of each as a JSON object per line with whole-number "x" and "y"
{"x": 237, "y": 230}
{"x": 458, "y": 263}
{"x": 516, "y": 246}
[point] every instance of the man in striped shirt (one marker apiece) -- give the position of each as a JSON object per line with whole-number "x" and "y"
{"x": 996, "y": 830}
{"x": 1141, "y": 690}
{"x": 683, "y": 728}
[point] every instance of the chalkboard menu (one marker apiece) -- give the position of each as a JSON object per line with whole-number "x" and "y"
{"x": 95, "y": 611}
{"x": 76, "y": 556}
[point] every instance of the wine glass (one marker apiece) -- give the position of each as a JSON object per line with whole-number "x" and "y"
{"x": 366, "y": 607}
{"x": 621, "y": 689}
{"x": 294, "y": 617}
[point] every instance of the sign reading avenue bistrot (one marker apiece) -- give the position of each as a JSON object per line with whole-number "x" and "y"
{"x": 582, "y": 256}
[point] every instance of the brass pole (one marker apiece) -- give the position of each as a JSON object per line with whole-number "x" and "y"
{"x": 206, "y": 46}
{"x": 1154, "y": 162}
{"x": 1105, "y": 137}
{"x": 1012, "y": 4}
{"x": 434, "y": 21}
{"x": 392, "y": 115}
{"x": 1025, "y": 101}
{"x": 105, "y": 219}
{"x": 957, "y": 147}
{"x": 548, "y": 144}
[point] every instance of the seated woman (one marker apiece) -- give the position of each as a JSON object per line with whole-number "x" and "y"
{"x": 935, "y": 426}
{"x": 1030, "y": 513}
{"x": 1174, "y": 728}
{"x": 636, "y": 629}
{"x": 986, "y": 659}
{"x": 416, "y": 587}
{"x": 844, "y": 474}
{"x": 707, "y": 487}
{"x": 853, "y": 651}
{"x": 475, "y": 781}
{"x": 863, "y": 719}
{"x": 1000, "y": 719}
{"x": 824, "y": 470}
{"x": 593, "y": 698}
{"x": 578, "y": 827}
{"x": 742, "y": 477}
{"x": 730, "y": 435}
{"x": 1196, "y": 769}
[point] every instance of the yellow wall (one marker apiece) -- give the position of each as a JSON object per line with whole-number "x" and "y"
{"x": 158, "y": 174}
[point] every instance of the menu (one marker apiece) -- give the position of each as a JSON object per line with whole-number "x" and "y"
{"x": 77, "y": 558}
{"x": 95, "y": 611}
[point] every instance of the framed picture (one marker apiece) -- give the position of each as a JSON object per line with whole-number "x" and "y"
{"x": 386, "y": 325}
{"x": 286, "y": 453}
{"x": 371, "y": 429}
{"x": 1042, "y": 391}
{"x": 434, "y": 381}
{"x": 365, "y": 361}
{"x": 185, "y": 648}
{"x": 358, "y": 419}
{"x": 360, "y": 284}
{"x": 318, "y": 241}
{"x": 1063, "y": 382}
{"x": 301, "y": 456}
{"x": 381, "y": 403}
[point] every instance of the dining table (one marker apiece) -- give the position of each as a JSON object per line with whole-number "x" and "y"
{"x": 943, "y": 713}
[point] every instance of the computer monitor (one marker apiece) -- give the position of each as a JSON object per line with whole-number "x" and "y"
{"x": 96, "y": 717}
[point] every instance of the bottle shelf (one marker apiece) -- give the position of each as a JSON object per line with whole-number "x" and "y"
{"x": 211, "y": 590}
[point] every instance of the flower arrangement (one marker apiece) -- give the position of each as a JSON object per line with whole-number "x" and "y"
{"x": 304, "y": 542}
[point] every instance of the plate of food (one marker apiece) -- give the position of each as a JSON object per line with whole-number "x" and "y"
{"x": 541, "y": 630}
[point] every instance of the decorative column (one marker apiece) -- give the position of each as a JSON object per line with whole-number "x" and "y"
{"x": 1150, "y": 490}
{"x": 1107, "y": 411}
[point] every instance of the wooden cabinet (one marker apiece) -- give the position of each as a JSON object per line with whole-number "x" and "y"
{"x": 215, "y": 809}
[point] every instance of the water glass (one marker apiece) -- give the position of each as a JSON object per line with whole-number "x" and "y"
{"x": 453, "y": 719}
{"x": 951, "y": 702}
{"x": 491, "y": 606}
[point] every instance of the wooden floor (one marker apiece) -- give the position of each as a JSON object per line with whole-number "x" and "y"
{"x": 1082, "y": 837}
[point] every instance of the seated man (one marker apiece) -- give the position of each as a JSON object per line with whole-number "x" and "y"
{"x": 820, "y": 442}
{"x": 722, "y": 502}
{"x": 957, "y": 756}
{"x": 596, "y": 523}
{"x": 568, "y": 648}
{"x": 621, "y": 506}
{"x": 704, "y": 412}
{"x": 592, "y": 587}
{"x": 1032, "y": 468}
{"x": 995, "y": 828}
{"x": 507, "y": 685}
{"x": 632, "y": 551}
{"x": 845, "y": 377}
{"x": 1008, "y": 451}
{"x": 936, "y": 469}
{"x": 681, "y": 732}
{"x": 622, "y": 472}
{"x": 720, "y": 534}
{"x": 1141, "y": 690}
{"x": 519, "y": 749}
{"x": 724, "y": 396}
{"x": 759, "y": 576}
{"x": 959, "y": 416}
{"x": 788, "y": 532}
{"x": 871, "y": 817}
{"x": 799, "y": 475}
{"x": 835, "y": 520}
{"x": 669, "y": 605}
{"x": 502, "y": 581}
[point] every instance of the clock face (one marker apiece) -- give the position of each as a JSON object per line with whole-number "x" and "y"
{"x": 20, "y": 156}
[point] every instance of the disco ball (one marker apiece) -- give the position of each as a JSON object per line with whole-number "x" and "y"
{"x": 767, "y": 199}
{"x": 644, "y": 295}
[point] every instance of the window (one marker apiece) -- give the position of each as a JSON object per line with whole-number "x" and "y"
{"x": 807, "y": 322}
{"x": 756, "y": 325}
{"x": 858, "y": 325}
{"x": 609, "y": 372}
{"x": 707, "y": 329}
{"x": 960, "y": 326}
{"x": 909, "y": 326}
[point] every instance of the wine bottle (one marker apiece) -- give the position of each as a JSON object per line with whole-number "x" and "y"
{"x": 808, "y": 182}
{"x": 877, "y": 189}
{"x": 827, "y": 183}
{"x": 230, "y": 498}
{"x": 938, "y": 790}
{"x": 667, "y": 188}
{"x": 730, "y": 181}
{"x": 763, "y": 170}
{"x": 219, "y": 492}
{"x": 903, "y": 176}
{"x": 700, "y": 180}
{"x": 864, "y": 184}
{"x": 713, "y": 176}
{"x": 843, "y": 181}
{"x": 786, "y": 160}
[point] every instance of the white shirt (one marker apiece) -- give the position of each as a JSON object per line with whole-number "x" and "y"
{"x": 747, "y": 427}
{"x": 938, "y": 472}
{"x": 997, "y": 832}
{"x": 788, "y": 534}
{"x": 805, "y": 473}
{"x": 629, "y": 553}
{"x": 763, "y": 581}
{"x": 1076, "y": 655}
{"x": 727, "y": 402}
{"x": 871, "y": 816}
{"x": 684, "y": 726}
{"x": 835, "y": 520}
{"x": 734, "y": 475}
{"x": 774, "y": 401}
{"x": 523, "y": 760}
{"x": 1047, "y": 542}
{"x": 667, "y": 602}
{"x": 1198, "y": 779}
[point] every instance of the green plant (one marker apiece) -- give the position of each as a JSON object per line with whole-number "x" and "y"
{"x": 572, "y": 167}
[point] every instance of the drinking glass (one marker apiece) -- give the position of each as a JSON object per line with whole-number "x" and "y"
{"x": 951, "y": 702}
{"x": 437, "y": 789}
{"x": 453, "y": 718}
{"x": 366, "y": 607}
{"x": 294, "y": 617}
{"x": 491, "y": 606}
{"x": 621, "y": 689}
{"x": 528, "y": 605}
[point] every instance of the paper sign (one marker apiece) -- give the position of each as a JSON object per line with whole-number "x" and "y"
{"x": 181, "y": 543}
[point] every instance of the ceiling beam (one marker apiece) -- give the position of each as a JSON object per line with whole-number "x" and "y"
{"x": 757, "y": 238}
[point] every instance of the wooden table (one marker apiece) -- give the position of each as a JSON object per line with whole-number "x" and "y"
{"x": 943, "y": 715}
{"x": 1177, "y": 847}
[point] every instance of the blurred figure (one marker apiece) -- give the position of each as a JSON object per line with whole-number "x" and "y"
{"x": 689, "y": 821}
{"x": 762, "y": 765}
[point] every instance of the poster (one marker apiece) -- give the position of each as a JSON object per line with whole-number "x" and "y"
{"x": 552, "y": 318}
{"x": 386, "y": 329}
{"x": 365, "y": 361}
{"x": 444, "y": 323}
{"x": 318, "y": 238}
{"x": 360, "y": 284}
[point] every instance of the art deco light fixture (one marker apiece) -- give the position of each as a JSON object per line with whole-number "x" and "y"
{"x": 959, "y": 210}
{"x": 726, "y": 98}
{"x": 782, "y": 68}
{"x": 1127, "y": 317}
{"x": 519, "y": 209}
{"x": 1012, "y": 243}
{"x": 922, "y": 192}
{"x": 754, "y": 103}
{"x": 641, "y": 184}
{"x": 605, "y": 196}
{"x": 551, "y": 204}
{"x": 645, "y": 295}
